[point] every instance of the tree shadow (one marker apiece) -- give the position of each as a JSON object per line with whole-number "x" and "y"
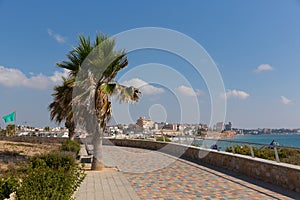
{"x": 11, "y": 158}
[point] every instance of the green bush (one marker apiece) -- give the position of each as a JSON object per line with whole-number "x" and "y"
{"x": 265, "y": 153}
{"x": 8, "y": 184}
{"x": 161, "y": 139}
{"x": 291, "y": 156}
{"x": 244, "y": 150}
{"x": 55, "y": 161}
{"x": 195, "y": 144}
{"x": 55, "y": 175}
{"x": 70, "y": 145}
{"x": 50, "y": 176}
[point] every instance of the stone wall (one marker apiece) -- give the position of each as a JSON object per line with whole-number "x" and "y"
{"x": 281, "y": 174}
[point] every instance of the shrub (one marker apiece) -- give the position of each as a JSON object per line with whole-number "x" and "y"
{"x": 50, "y": 176}
{"x": 195, "y": 144}
{"x": 55, "y": 161}
{"x": 291, "y": 156}
{"x": 46, "y": 183}
{"x": 70, "y": 145}
{"x": 244, "y": 150}
{"x": 265, "y": 153}
{"x": 55, "y": 175}
{"x": 8, "y": 184}
{"x": 161, "y": 139}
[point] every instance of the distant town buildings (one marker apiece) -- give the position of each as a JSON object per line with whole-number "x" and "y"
{"x": 145, "y": 123}
{"x": 228, "y": 127}
{"x": 158, "y": 125}
{"x": 220, "y": 126}
{"x": 147, "y": 128}
{"x": 170, "y": 127}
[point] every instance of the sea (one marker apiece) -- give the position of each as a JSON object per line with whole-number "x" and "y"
{"x": 288, "y": 140}
{"x": 260, "y": 140}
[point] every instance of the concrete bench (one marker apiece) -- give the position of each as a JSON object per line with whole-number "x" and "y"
{"x": 90, "y": 149}
{"x": 84, "y": 156}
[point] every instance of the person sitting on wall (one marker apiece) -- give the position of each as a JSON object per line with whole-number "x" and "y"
{"x": 273, "y": 144}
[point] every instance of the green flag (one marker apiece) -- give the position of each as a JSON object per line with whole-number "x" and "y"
{"x": 9, "y": 118}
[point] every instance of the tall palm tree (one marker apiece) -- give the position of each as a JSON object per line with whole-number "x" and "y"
{"x": 93, "y": 68}
{"x": 61, "y": 107}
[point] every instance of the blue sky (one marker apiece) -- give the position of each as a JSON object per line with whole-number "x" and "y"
{"x": 255, "y": 45}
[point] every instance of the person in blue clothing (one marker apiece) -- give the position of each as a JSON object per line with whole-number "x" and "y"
{"x": 273, "y": 144}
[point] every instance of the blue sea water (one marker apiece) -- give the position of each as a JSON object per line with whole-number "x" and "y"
{"x": 289, "y": 140}
{"x": 286, "y": 140}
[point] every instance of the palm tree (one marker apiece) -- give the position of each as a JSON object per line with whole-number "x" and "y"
{"x": 93, "y": 68}
{"x": 61, "y": 107}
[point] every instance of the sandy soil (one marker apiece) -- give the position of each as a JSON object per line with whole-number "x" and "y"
{"x": 13, "y": 152}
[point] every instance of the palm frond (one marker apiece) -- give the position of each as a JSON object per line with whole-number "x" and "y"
{"x": 123, "y": 93}
{"x": 61, "y": 107}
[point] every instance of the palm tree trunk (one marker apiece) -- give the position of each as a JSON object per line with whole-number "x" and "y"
{"x": 71, "y": 134}
{"x": 97, "y": 163}
{"x": 70, "y": 125}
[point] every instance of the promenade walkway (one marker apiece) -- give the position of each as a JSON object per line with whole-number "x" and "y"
{"x": 146, "y": 174}
{"x": 107, "y": 186}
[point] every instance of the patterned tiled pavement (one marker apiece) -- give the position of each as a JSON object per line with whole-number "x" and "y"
{"x": 105, "y": 186}
{"x": 154, "y": 175}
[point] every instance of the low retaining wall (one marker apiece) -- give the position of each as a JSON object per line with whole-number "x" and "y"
{"x": 36, "y": 140}
{"x": 281, "y": 174}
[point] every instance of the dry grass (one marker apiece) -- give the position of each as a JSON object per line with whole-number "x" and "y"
{"x": 13, "y": 152}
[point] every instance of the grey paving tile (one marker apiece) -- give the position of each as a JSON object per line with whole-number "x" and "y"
{"x": 105, "y": 185}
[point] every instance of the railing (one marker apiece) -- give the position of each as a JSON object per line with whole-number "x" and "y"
{"x": 266, "y": 151}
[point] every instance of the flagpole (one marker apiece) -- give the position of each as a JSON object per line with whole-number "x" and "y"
{"x": 15, "y": 122}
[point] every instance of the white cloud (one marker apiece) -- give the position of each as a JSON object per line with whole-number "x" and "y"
{"x": 264, "y": 67}
{"x": 56, "y": 77}
{"x": 236, "y": 94}
{"x": 188, "y": 91}
{"x": 285, "y": 100}
{"x": 11, "y": 77}
{"x": 145, "y": 87}
{"x": 57, "y": 37}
